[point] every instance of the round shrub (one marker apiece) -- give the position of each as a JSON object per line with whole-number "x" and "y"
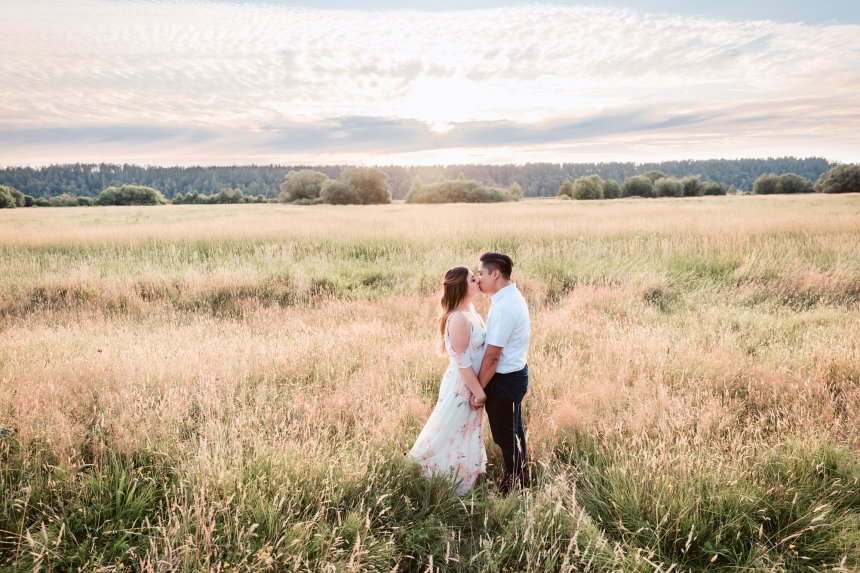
{"x": 611, "y": 189}
{"x": 304, "y": 184}
{"x": 668, "y": 187}
{"x": 370, "y": 184}
{"x": 64, "y": 200}
{"x": 458, "y": 191}
{"x": 714, "y": 188}
{"x": 84, "y": 202}
{"x": 841, "y": 179}
{"x": 638, "y": 186}
{"x": 588, "y": 188}
{"x": 130, "y": 195}
{"x": 693, "y": 187}
{"x": 7, "y": 201}
{"x": 786, "y": 183}
{"x": 338, "y": 193}
{"x": 566, "y": 189}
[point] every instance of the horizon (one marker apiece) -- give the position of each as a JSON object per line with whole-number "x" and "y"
{"x": 495, "y": 82}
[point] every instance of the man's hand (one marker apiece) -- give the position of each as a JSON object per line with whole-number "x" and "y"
{"x": 477, "y": 403}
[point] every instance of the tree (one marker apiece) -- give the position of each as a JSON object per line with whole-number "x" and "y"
{"x": 304, "y": 184}
{"x": 458, "y": 191}
{"x": 84, "y": 201}
{"x": 441, "y": 179}
{"x": 693, "y": 187}
{"x": 638, "y": 186}
{"x": 654, "y": 175}
{"x": 64, "y": 200}
{"x": 714, "y": 188}
{"x": 7, "y": 201}
{"x": 130, "y": 195}
{"x": 516, "y": 191}
{"x": 461, "y": 177}
{"x": 785, "y": 183}
{"x": 841, "y": 179}
{"x": 417, "y": 184}
{"x": 611, "y": 189}
{"x": 370, "y": 183}
{"x": 566, "y": 189}
{"x": 339, "y": 193}
{"x": 590, "y": 187}
{"x": 792, "y": 183}
{"x": 668, "y": 187}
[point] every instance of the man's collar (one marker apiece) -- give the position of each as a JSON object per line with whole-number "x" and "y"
{"x": 501, "y": 292}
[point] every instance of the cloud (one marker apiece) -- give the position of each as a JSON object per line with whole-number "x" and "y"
{"x": 202, "y": 81}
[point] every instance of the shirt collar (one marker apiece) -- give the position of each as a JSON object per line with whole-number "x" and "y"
{"x": 503, "y": 292}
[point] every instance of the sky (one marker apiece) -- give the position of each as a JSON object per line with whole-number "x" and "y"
{"x": 185, "y": 82}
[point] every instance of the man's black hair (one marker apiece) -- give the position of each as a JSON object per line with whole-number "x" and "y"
{"x": 498, "y": 262}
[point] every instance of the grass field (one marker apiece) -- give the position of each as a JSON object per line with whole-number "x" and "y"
{"x": 233, "y": 388}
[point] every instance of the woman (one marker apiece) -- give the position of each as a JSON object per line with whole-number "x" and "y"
{"x": 451, "y": 442}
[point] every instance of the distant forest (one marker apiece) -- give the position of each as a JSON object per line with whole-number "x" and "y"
{"x": 536, "y": 179}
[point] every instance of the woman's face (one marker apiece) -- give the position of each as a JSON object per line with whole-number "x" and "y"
{"x": 473, "y": 287}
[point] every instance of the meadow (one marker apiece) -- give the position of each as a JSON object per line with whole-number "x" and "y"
{"x": 234, "y": 387}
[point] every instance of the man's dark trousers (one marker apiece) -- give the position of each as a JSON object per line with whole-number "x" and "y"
{"x": 505, "y": 393}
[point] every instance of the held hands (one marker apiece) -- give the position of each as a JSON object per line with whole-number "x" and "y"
{"x": 477, "y": 402}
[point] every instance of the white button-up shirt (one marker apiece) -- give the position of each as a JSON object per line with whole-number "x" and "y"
{"x": 509, "y": 327}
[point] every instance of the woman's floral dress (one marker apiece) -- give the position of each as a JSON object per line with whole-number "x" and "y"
{"x": 451, "y": 442}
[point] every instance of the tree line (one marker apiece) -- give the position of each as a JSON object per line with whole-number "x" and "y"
{"x": 370, "y": 185}
{"x": 840, "y": 179}
{"x": 535, "y": 179}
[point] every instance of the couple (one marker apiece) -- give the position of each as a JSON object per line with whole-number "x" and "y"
{"x": 487, "y": 371}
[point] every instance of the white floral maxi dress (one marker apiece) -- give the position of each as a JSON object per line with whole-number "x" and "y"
{"x": 451, "y": 442}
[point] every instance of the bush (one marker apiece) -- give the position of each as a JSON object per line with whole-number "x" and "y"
{"x": 130, "y": 195}
{"x": 566, "y": 189}
{"x": 338, "y": 193}
{"x": 370, "y": 184}
{"x": 304, "y": 184}
{"x": 787, "y": 183}
{"x": 458, "y": 191}
{"x": 515, "y": 191}
{"x": 64, "y": 200}
{"x": 654, "y": 176}
{"x": 713, "y": 188}
{"x": 842, "y": 179}
{"x": 85, "y": 202}
{"x": 7, "y": 200}
{"x": 588, "y": 187}
{"x": 611, "y": 189}
{"x": 693, "y": 187}
{"x": 417, "y": 184}
{"x": 638, "y": 186}
{"x": 227, "y": 197}
{"x": 668, "y": 187}
{"x": 29, "y": 201}
{"x": 42, "y": 202}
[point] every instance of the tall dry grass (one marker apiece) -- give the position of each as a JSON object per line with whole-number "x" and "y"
{"x": 234, "y": 387}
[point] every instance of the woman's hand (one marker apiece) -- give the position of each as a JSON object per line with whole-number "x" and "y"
{"x": 477, "y": 401}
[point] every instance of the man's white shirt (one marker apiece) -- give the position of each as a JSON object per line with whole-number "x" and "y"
{"x": 509, "y": 327}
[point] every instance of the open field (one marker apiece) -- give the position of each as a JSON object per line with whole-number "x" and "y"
{"x": 232, "y": 388}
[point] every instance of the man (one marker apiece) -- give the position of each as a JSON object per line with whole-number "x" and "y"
{"x": 504, "y": 374}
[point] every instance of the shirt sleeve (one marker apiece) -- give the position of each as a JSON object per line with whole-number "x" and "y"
{"x": 500, "y": 326}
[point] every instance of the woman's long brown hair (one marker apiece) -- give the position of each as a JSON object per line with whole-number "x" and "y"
{"x": 454, "y": 288}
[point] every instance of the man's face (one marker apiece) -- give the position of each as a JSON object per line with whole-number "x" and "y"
{"x": 487, "y": 280}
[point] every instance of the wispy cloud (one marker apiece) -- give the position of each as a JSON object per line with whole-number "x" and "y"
{"x": 185, "y": 82}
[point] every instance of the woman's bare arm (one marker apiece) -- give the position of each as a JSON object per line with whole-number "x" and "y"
{"x": 460, "y": 333}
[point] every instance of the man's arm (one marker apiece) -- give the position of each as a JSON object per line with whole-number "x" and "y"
{"x": 489, "y": 364}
